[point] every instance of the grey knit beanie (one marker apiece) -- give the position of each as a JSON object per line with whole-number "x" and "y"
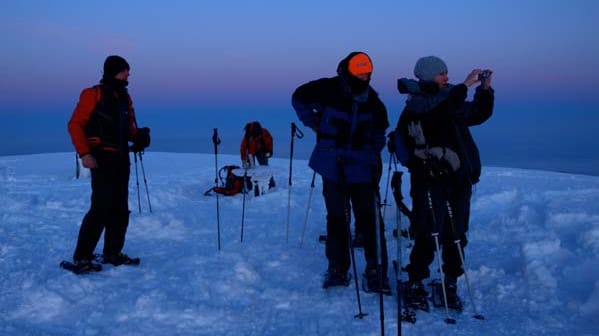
{"x": 428, "y": 67}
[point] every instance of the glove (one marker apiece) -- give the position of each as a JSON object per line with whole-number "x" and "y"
{"x": 452, "y": 158}
{"x": 415, "y": 131}
{"x": 141, "y": 140}
{"x": 268, "y": 154}
{"x": 436, "y": 152}
{"x": 440, "y": 153}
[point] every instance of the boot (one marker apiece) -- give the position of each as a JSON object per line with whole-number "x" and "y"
{"x": 335, "y": 277}
{"x": 416, "y": 297}
{"x": 120, "y": 259}
{"x": 81, "y": 266}
{"x": 453, "y": 300}
{"x": 371, "y": 283}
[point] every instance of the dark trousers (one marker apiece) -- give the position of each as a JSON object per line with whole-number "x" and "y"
{"x": 426, "y": 222}
{"x": 339, "y": 200}
{"x": 261, "y": 157}
{"x": 109, "y": 208}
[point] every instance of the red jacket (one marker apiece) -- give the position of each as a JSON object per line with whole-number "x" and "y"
{"x": 253, "y": 145}
{"x": 82, "y": 114}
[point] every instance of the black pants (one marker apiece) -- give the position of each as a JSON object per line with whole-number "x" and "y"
{"x": 262, "y": 158}
{"x": 109, "y": 208}
{"x": 339, "y": 199}
{"x": 426, "y": 222}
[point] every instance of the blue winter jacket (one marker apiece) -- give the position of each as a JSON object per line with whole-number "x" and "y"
{"x": 350, "y": 130}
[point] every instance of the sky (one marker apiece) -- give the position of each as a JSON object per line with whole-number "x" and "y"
{"x": 196, "y": 66}
{"x": 532, "y": 259}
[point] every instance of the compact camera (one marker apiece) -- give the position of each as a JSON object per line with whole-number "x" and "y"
{"x": 484, "y": 75}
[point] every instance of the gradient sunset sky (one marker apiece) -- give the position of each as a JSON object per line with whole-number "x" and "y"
{"x": 209, "y": 60}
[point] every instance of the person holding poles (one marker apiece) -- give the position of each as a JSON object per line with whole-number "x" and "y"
{"x": 444, "y": 164}
{"x": 350, "y": 122}
{"x": 101, "y": 127}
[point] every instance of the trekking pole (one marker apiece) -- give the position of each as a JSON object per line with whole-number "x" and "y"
{"x": 343, "y": 184}
{"x": 137, "y": 182}
{"x": 216, "y": 142}
{"x": 391, "y": 156}
{"x": 459, "y": 248}
{"x": 435, "y": 235}
{"x": 143, "y": 173}
{"x": 403, "y": 312}
{"x": 379, "y": 257}
{"x": 244, "y": 191}
{"x": 295, "y": 132}
{"x": 360, "y": 314}
{"x": 77, "y": 168}
{"x": 308, "y": 208}
{"x": 397, "y": 267}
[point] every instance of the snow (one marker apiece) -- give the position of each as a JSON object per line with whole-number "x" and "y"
{"x": 532, "y": 257}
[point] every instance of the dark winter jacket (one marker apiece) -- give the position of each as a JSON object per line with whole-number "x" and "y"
{"x": 445, "y": 117}
{"x": 350, "y": 129}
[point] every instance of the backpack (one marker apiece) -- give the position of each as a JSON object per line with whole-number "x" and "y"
{"x": 230, "y": 184}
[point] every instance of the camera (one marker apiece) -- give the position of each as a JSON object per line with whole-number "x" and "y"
{"x": 484, "y": 75}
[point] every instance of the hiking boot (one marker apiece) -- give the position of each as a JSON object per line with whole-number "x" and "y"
{"x": 372, "y": 284}
{"x": 81, "y": 266}
{"x": 451, "y": 291}
{"x": 335, "y": 277}
{"x": 120, "y": 259}
{"x": 416, "y": 296}
{"x": 453, "y": 300}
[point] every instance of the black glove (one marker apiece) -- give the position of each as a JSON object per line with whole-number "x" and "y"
{"x": 141, "y": 140}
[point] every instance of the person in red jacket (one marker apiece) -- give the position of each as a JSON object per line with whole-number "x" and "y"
{"x": 101, "y": 127}
{"x": 257, "y": 144}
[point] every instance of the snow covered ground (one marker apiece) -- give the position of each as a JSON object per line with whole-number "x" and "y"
{"x": 533, "y": 257}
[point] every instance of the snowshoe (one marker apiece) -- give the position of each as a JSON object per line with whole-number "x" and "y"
{"x": 334, "y": 277}
{"x": 81, "y": 266}
{"x": 120, "y": 259}
{"x": 415, "y": 296}
{"x": 370, "y": 283}
{"x": 453, "y": 300}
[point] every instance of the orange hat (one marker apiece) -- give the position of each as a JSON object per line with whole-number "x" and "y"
{"x": 360, "y": 64}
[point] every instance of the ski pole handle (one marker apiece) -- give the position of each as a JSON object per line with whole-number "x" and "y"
{"x": 215, "y": 138}
{"x": 296, "y": 132}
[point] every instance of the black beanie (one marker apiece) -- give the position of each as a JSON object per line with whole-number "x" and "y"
{"x": 113, "y": 65}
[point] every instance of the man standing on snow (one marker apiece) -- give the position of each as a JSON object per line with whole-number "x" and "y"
{"x": 350, "y": 123}
{"x": 444, "y": 163}
{"x": 101, "y": 127}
